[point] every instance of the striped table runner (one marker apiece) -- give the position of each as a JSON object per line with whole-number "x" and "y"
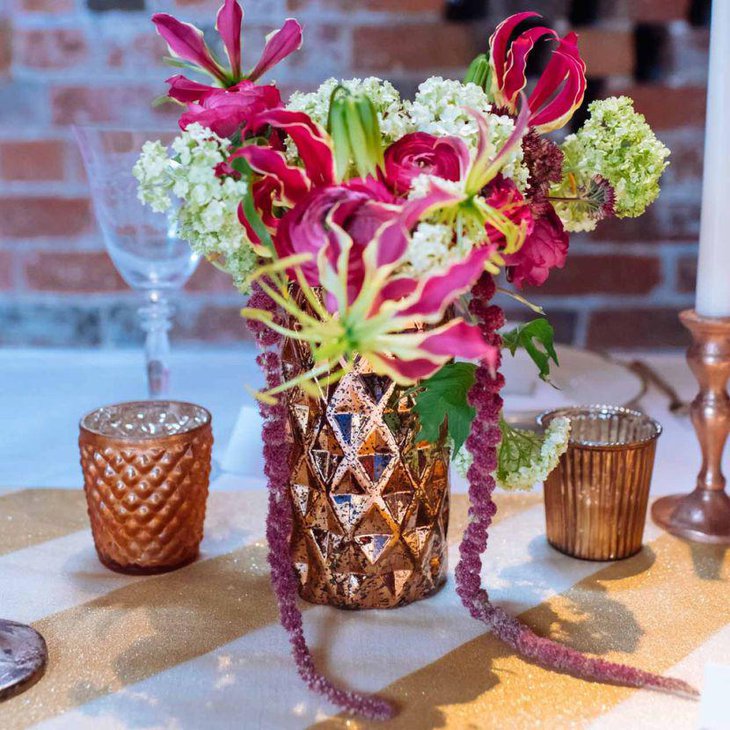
{"x": 202, "y": 647}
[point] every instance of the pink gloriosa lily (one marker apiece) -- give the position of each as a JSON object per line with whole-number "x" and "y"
{"x": 509, "y": 226}
{"x": 376, "y": 320}
{"x": 186, "y": 43}
{"x": 559, "y": 90}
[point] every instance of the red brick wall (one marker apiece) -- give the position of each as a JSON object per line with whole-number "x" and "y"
{"x": 66, "y": 61}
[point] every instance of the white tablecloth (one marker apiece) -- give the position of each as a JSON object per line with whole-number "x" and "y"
{"x": 43, "y": 393}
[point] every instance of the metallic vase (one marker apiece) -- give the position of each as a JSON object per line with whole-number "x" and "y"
{"x": 370, "y": 501}
{"x": 146, "y": 469}
{"x": 596, "y": 498}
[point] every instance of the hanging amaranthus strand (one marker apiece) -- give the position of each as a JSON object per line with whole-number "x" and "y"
{"x": 482, "y": 443}
{"x": 279, "y": 526}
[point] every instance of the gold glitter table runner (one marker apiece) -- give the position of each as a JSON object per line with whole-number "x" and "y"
{"x": 201, "y": 647}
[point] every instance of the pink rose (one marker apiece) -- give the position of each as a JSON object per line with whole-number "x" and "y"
{"x": 305, "y": 229}
{"x": 226, "y": 111}
{"x": 544, "y": 249}
{"x": 421, "y": 153}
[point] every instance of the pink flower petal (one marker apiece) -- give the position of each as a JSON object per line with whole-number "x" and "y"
{"x": 313, "y": 143}
{"x": 228, "y": 24}
{"x": 437, "y": 292}
{"x": 514, "y": 78}
{"x": 186, "y": 41}
{"x": 392, "y": 240}
{"x": 405, "y": 372}
{"x": 186, "y": 90}
{"x": 499, "y": 43}
{"x": 459, "y": 339}
{"x": 292, "y": 181}
{"x": 553, "y": 105}
{"x": 485, "y": 169}
{"x": 279, "y": 44}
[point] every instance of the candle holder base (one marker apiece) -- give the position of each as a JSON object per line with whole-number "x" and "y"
{"x": 704, "y": 515}
{"x": 701, "y": 516}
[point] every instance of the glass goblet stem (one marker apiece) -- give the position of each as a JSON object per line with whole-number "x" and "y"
{"x": 156, "y": 317}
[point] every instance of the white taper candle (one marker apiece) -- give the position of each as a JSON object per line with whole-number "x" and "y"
{"x": 713, "y": 272}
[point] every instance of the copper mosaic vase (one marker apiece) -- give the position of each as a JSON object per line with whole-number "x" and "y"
{"x": 370, "y": 501}
{"x": 146, "y": 470}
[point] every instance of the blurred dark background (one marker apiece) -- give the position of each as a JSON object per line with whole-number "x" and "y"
{"x": 68, "y": 61}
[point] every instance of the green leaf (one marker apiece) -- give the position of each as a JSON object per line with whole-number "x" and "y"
{"x": 444, "y": 396}
{"x": 530, "y": 336}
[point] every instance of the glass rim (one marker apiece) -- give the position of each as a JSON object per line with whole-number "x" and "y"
{"x": 88, "y": 429}
{"x": 597, "y": 408}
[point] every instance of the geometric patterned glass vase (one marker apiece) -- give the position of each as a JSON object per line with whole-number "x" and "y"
{"x": 370, "y": 502}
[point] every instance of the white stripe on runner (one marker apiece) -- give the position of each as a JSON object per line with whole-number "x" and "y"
{"x": 251, "y": 682}
{"x": 59, "y": 574}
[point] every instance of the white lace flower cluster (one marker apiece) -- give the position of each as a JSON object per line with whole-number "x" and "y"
{"x": 537, "y": 456}
{"x": 208, "y": 213}
{"x": 439, "y": 108}
{"x": 394, "y": 121}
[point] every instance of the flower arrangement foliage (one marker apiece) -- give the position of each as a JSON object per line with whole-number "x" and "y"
{"x": 369, "y": 226}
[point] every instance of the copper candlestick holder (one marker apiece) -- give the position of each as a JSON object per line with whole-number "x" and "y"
{"x": 704, "y": 515}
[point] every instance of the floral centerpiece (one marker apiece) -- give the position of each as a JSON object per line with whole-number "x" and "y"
{"x": 370, "y": 232}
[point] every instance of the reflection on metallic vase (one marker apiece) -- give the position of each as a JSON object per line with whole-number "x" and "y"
{"x": 596, "y": 498}
{"x": 146, "y": 469}
{"x": 370, "y": 502}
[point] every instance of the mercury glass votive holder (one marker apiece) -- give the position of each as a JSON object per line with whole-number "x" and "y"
{"x": 597, "y": 497}
{"x": 146, "y": 467}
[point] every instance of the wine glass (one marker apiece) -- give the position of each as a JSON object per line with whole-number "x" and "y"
{"x": 144, "y": 245}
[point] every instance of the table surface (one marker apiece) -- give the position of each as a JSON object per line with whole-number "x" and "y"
{"x": 44, "y": 393}
{"x": 202, "y": 648}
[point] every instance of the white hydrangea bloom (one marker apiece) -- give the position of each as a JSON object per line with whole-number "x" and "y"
{"x": 545, "y": 450}
{"x": 439, "y": 109}
{"x": 394, "y": 122}
{"x": 208, "y": 213}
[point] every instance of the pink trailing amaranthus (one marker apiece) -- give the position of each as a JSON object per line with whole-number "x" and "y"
{"x": 279, "y": 525}
{"x": 482, "y": 444}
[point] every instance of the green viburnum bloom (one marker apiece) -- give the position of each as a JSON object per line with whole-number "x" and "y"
{"x": 617, "y": 145}
{"x": 524, "y": 458}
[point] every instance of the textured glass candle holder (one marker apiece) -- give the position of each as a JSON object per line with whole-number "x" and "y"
{"x": 597, "y": 497}
{"x": 146, "y": 469}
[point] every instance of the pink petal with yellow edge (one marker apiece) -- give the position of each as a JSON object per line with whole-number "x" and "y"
{"x": 293, "y": 182}
{"x": 279, "y": 44}
{"x": 514, "y": 79}
{"x": 499, "y": 43}
{"x": 313, "y": 143}
{"x": 459, "y": 339}
{"x": 228, "y": 23}
{"x": 186, "y": 41}
{"x": 485, "y": 169}
{"x": 437, "y": 292}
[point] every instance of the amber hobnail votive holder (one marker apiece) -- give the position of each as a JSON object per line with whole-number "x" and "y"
{"x": 146, "y": 467}
{"x": 597, "y": 497}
